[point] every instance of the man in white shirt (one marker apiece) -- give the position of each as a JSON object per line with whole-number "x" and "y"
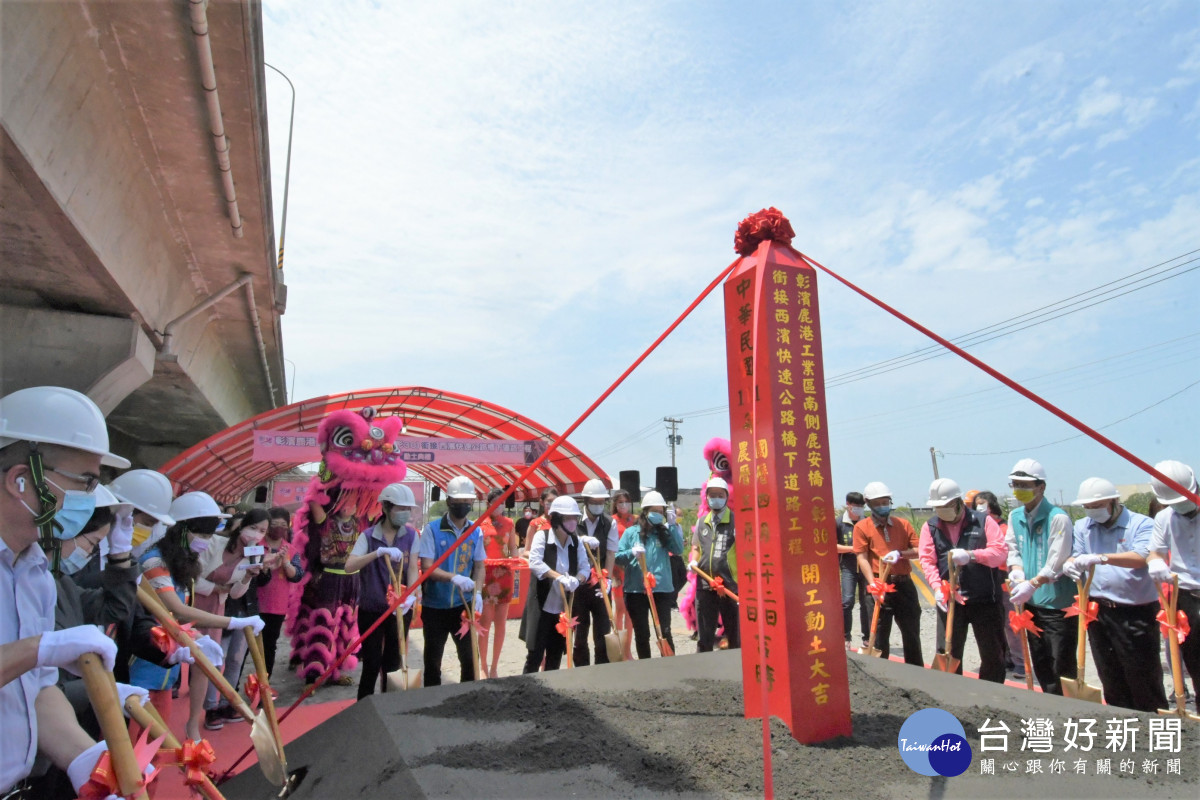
{"x": 1177, "y": 533}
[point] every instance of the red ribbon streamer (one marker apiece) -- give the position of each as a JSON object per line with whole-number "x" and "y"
{"x": 102, "y": 783}
{"x": 1181, "y": 627}
{"x": 163, "y": 640}
{"x": 469, "y": 624}
{"x": 1023, "y": 622}
{"x": 878, "y": 589}
{"x": 1093, "y": 608}
{"x": 194, "y": 757}
{"x": 651, "y": 581}
{"x": 565, "y": 624}
{"x": 254, "y": 691}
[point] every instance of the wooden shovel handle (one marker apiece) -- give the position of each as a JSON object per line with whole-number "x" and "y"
{"x": 264, "y": 683}
{"x": 600, "y": 577}
{"x": 883, "y": 576}
{"x": 663, "y": 646}
{"x": 952, "y": 568}
{"x": 149, "y": 719}
{"x": 399, "y": 620}
{"x": 167, "y": 620}
{"x": 708, "y": 578}
{"x": 102, "y": 692}
{"x": 567, "y": 608}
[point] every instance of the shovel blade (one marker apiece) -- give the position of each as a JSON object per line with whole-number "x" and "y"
{"x": 870, "y": 651}
{"x": 614, "y": 645}
{"x": 1080, "y": 690}
{"x": 415, "y": 679}
{"x": 945, "y": 663}
{"x": 264, "y": 748}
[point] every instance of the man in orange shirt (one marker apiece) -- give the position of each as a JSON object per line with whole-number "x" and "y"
{"x": 880, "y": 539}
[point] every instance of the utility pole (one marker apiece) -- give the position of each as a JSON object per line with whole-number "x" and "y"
{"x": 933, "y": 458}
{"x": 673, "y": 438}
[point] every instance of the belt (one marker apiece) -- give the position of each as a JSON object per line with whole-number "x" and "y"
{"x": 1106, "y": 603}
{"x": 899, "y": 578}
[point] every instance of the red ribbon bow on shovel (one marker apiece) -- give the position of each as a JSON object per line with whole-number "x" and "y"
{"x": 392, "y": 596}
{"x": 718, "y": 586}
{"x": 565, "y": 624}
{"x": 1023, "y": 622}
{"x": 469, "y": 624}
{"x": 254, "y": 691}
{"x": 163, "y": 641}
{"x": 651, "y": 581}
{"x": 1093, "y": 608}
{"x": 878, "y": 589}
{"x": 194, "y": 757}
{"x": 1181, "y": 627}
{"x": 103, "y": 781}
{"x": 595, "y": 577}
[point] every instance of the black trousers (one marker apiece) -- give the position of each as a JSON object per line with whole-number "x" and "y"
{"x": 710, "y": 606}
{"x": 904, "y": 606}
{"x": 638, "y": 606}
{"x": 1125, "y": 646}
{"x": 1189, "y": 651}
{"x": 853, "y": 581}
{"x": 589, "y": 608}
{"x": 439, "y": 623}
{"x": 380, "y": 652}
{"x": 1053, "y": 652}
{"x": 988, "y": 622}
{"x": 548, "y": 643}
{"x": 272, "y": 625}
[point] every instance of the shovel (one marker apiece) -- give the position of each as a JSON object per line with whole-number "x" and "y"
{"x": 1171, "y": 607}
{"x": 944, "y": 661}
{"x": 102, "y": 692}
{"x": 720, "y": 589}
{"x": 871, "y": 649}
{"x": 148, "y": 718}
{"x": 664, "y": 647}
{"x": 1077, "y": 687}
{"x": 615, "y": 640}
{"x": 264, "y": 745}
{"x": 1025, "y": 653}
{"x": 266, "y": 724}
{"x": 473, "y": 633}
{"x": 568, "y": 604}
{"x": 409, "y": 679}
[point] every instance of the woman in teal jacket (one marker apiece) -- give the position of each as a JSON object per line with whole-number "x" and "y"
{"x": 654, "y": 536}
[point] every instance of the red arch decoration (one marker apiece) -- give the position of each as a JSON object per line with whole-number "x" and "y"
{"x": 222, "y": 466}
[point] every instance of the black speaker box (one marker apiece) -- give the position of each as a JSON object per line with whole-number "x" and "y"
{"x": 631, "y": 481}
{"x": 666, "y": 480}
{"x": 435, "y": 494}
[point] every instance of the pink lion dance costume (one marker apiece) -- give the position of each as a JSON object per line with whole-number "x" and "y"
{"x": 359, "y": 459}
{"x": 718, "y": 454}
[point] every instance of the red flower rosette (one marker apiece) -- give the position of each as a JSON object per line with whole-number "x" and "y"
{"x": 194, "y": 757}
{"x": 878, "y": 589}
{"x": 254, "y": 691}
{"x": 1093, "y": 608}
{"x": 769, "y": 224}
{"x": 565, "y": 624}
{"x": 1181, "y": 627}
{"x": 1023, "y": 622}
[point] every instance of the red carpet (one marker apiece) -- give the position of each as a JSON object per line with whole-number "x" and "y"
{"x": 234, "y": 739}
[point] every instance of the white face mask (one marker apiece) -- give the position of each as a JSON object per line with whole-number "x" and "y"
{"x": 947, "y": 513}
{"x": 1186, "y": 507}
{"x": 983, "y": 508}
{"x": 855, "y": 512}
{"x": 569, "y": 524}
{"x": 1101, "y": 514}
{"x": 198, "y": 545}
{"x": 624, "y": 508}
{"x": 595, "y": 509}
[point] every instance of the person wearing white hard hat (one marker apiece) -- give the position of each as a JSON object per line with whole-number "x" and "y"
{"x": 1114, "y": 541}
{"x": 1177, "y": 536}
{"x": 391, "y": 541}
{"x": 959, "y": 535}
{"x": 600, "y": 534}
{"x": 853, "y": 581}
{"x": 886, "y": 538}
{"x": 655, "y": 536}
{"x": 149, "y": 494}
{"x": 555, "y": 559}
{"x": 53, "y": 442}
{"x": 499, "y": 580}
{"x": 714, "y": 553}
{"x": 452, "y": 585}
{"x": 1040, "y": 540}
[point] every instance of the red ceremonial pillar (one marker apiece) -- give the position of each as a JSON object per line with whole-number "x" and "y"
{"x": 789, "y": 582}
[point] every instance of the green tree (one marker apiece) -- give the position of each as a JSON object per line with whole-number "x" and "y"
{"x": 1139, "y": 502}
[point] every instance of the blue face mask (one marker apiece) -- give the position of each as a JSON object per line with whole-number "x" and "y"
{"x": 77, "y": 509}
{"x": 881, "y": 511}
{"x": 655, "y": 518}
{"x": 716, "y": 503}
{"x": 74, "y": 562}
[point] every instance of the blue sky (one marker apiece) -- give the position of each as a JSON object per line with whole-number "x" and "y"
{"x": 512, "y": 200}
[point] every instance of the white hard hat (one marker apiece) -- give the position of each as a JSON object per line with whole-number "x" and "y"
{"x": 876, "y": 489}
{"x": 1180, "y": 473}
{"x": 460, "y": 488}
{"x": 1095, "y": 489}
{"x": 1027, "y": 469}
{"x": 943, "y": 492}
{"x": 595, "y": 488}
{"x": 566, "y": 506}
{"x": 104, "y": 497}
{"x": 653, "y": 499}
{"x": 54, "y": 415}
{"x": 195, "y": 505}
{"x": 398, "y": 495}
{"x": 716, "y": 483}
{"x": 146, "y": 490}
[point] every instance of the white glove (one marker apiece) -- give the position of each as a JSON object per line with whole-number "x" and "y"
{"x": 569, "y": 582}
{"x": 692, "y": 565}
{"x": 959, "y": 556}
{"x": 590, "y": 541}
{"x": 63, "y": 648}
{"x": 394, "y": 553}
{"x": 1015, "y": 576}
{"x": 671, "y": 516}
{"x": 237, "y": 623}
{"x": 891, "y": 558}
{"x": 181, "y": 655}
{"x": 1086, "y": 561}
{"x": 408, "y": 603}
{"x": 1159, "y": 571}
{"x": 1021, "y": 593}
{"x": 941, "y": 602}
{"x": 120, "y": 535}
{"x": 478, "y": 603}
{"x": 638, "y": 550}
{"x": 211, "y": 649}
{"x": 464, "y": 583}
{"x": 608, "y": 586}
{"x": 1072, "y": 571}
{"x": 125, "y": 691}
